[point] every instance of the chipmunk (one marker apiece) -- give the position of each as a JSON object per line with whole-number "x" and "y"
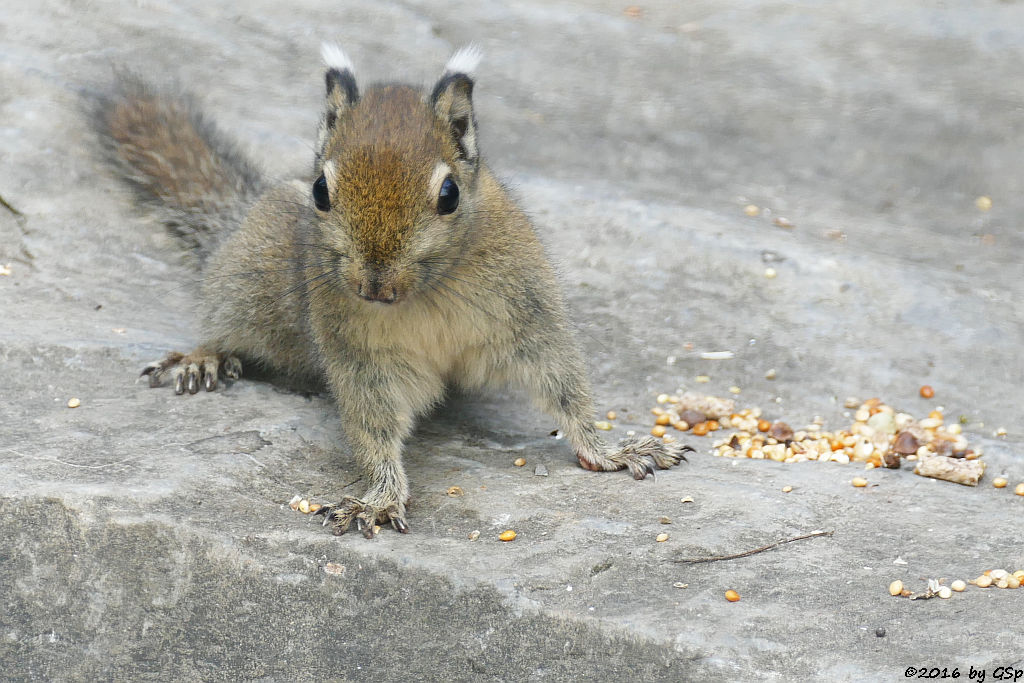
{"x": 402, "y": 268}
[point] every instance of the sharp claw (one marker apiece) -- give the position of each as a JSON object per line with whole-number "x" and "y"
{"x": 179, "y": 384}
{"x": 148, "y": 370}
{"x": 209, "y": 382}
{"x": 399, "y": 525}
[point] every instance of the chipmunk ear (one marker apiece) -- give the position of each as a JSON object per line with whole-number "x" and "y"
{"x": 452, "y": 99}
{"x": 342, "y": 91}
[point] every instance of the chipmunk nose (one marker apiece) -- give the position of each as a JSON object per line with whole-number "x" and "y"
{"x": 374, "y": 290}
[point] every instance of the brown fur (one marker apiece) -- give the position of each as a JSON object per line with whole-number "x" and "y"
{"x": 475, "y": 302}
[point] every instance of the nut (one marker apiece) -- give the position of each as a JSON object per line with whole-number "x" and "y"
{"x": 519, "y": 462}
{"x": 958, "y": 586}
{"x": 74, "y": 403}
{"x": 732, "y": 596}
{"x": 859, "y": 482}
{"x": 1000, "y": 482}
{"x": 661, "y": 538}
{"x": 896, "y": 587}
{"x": 455, "y": 491}
{"x": 507, "y": 535}
{"x": 926, "y": 391}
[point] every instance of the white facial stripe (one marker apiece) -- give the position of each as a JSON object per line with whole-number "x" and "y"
{"x": 331, "y": 175}
{"x": 441, "y": 171}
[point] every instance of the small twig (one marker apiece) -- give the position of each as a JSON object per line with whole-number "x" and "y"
{"x": 4, "y": 203}
{"x": 716, "y": 558}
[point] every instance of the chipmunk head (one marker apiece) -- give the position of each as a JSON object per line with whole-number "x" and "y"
{"x": 395, "y": 177}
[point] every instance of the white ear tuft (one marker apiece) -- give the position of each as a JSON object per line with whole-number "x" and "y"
{"x": 465, "y": 60}
{"x": 335, "y": 58}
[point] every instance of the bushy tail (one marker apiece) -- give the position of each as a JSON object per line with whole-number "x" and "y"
{"x": 196, "y": 181}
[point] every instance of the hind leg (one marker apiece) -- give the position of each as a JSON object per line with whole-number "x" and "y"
{"x": 189, "y": 371}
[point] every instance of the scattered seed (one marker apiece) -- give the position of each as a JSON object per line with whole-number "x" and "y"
{"x": 926, "y": 391}
{"x": 699, "y": 429}
{"x": 664, "y": 520}
{"x": 663, "y": 419}
{"x": 702, "y": 379}
{"x": 688, "y": 499}
{"x": 859, "y": 482}
{"x": 1012, "y": 582}
{"x": 782, "y": 222}
{"x": 732, "y": 596}
{"x": 658, "y": 430}
{"x": 603, "y": 426}
{"x": 313, "y": 507}
{"x": 680, "y": 584}
{"x": 304, "y": 506}
{"x": 734, "y": 390}
{"x": 662, "y": 398}
{"x": 294, "y": 502}
{"x": 983, "y": 581}
{"x": 770, "y": 374}
{"x": 1000, "y": 482}
{"x": 895, "y": 588}
{"x": 716, "y": 355}
{"x": 763, "y": 425}
{"x": 507, "y": 535}
{"x": 334, "y": 569}
{"x": 473, "y": 535}
{"x": 455, "y": 491}
{"x": 1019, "y": 489}
{"x": 74, "y": 403}
{"x": 519, "y": 462}
{"x": 770, "y": 273}
{"x": 611, "y": 415}
{"x": 959, "y": 586}
{"x": 945, "y": 592}
{"x": 787, "y": 489}
{"x": 751, "y": 210}
{"x": 983, "y": 203}
{"x": 1001, "y": 431}
{"x": 780, "y": 431}
{"x": 661, "y": 538}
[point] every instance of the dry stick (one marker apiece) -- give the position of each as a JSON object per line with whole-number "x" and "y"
{"x": 716, "y": 558}
{"x": 6, "y": 205}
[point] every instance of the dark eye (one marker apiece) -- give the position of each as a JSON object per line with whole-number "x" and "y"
{"x": 320, "y": 196}
{"x": 448, "y": 198}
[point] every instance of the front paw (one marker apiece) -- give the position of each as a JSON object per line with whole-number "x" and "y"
{"x": 639, "y": 455}
{"x": 366, "y": 515}
{"x": 190, "y": 371}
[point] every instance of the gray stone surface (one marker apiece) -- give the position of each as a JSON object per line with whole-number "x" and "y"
{"x": 146, "y": 536}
